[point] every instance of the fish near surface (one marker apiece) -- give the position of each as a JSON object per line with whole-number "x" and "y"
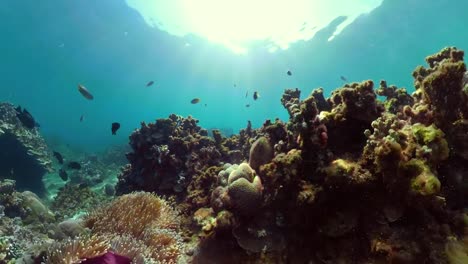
{"x": 195, "y": 100}
{"x": 256, "y": 95}
{"x": 85, "y": 92}
{"x": 149, "y": 83}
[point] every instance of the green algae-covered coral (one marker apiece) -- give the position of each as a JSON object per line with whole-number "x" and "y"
{"x": 356, "y": 101}
{"x": 396, "y": 98}
{"x": 433, "y": 139}
{"x": 442, "y": 87}
{"x": 424, "y": 182}
{"x": 343, "y": 172}
{"x": 457, "y": 250}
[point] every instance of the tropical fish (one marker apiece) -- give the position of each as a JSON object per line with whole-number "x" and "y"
{"x": 195, "y": 100}
{"x": 115, "y": 127}
{"x": 343, "y": 78}
{"x": 289, "y": 73}
{"x": 256, "y": 95}
{"x": 85, "y": 92}
{"x": 149, "y": 83}
{"x": 58, "y": 156}
{"x": 63, "y": 175}
{"x": 74, "y": 165}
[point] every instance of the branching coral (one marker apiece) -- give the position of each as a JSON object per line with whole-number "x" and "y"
{"x": 396, "y": 98}
{"x": 442, "y": 85}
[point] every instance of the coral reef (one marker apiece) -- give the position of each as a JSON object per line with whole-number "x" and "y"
{"x": 167, "y": 154}
{"x": 25, "y": 223}
{"x": 379, "y": 189}
{"x": 347, "y": 179}
{"x": 146, "y": 222}
{"x": 74, "y": 199}
{"x": 25, "y": 156}
{"x": 396, "y": 98}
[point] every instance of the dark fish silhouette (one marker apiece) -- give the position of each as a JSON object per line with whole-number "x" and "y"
{"x": 63, "y": 175}
{"x": 289, "y": 73}
{"x": 115, "y": 127}
{"x": 149, "y": 83}
{"x": 195, "y": 100}
{"x": 83, "y": 185}
{"x": 81, "y": 118}
{"x": 26, "y": 118}
{"x": 74, "y": 165}
{"x": 256, "y": 95}
{"x": 59, "y": 157}
{"x": 343, "y": 78}
{"x": 247, "y": 105}
{"x": 85, "y": 92}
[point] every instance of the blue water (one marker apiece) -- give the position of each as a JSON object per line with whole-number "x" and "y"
{"x": 47, "y": 48}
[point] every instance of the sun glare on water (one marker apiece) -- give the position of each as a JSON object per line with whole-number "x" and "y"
{"x": 237, "y": 24}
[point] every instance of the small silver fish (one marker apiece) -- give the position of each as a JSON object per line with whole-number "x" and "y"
{"x": 85, "y": 92}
